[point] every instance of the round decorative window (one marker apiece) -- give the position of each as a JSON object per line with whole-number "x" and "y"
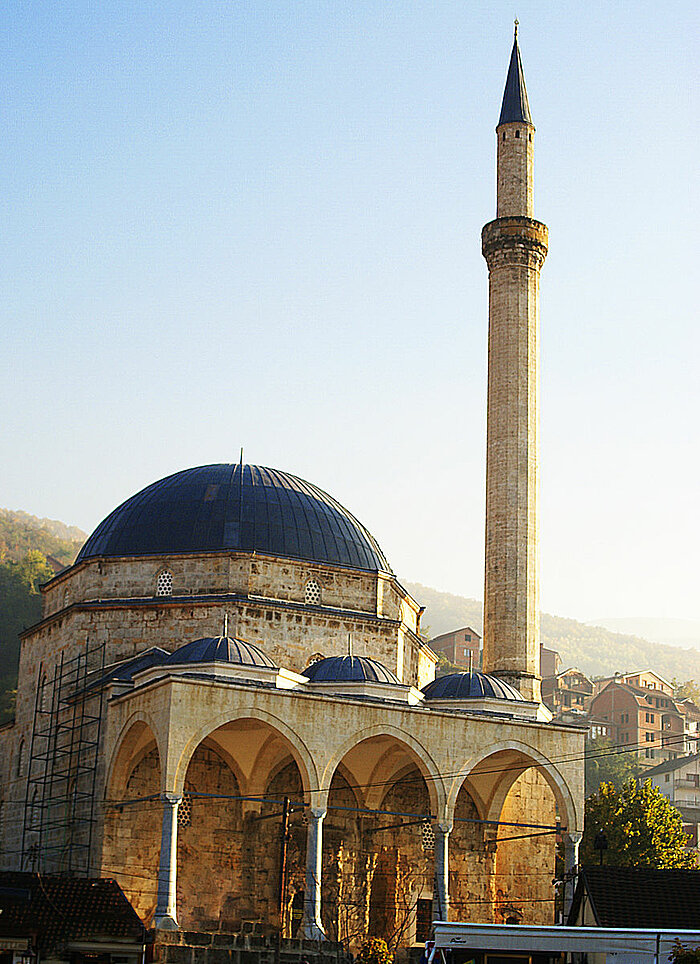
{"x": 164, "y": 583}
{"x": 312, "y": 593}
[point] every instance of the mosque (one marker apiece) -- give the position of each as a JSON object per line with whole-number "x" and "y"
{"x": 228, "y": 705}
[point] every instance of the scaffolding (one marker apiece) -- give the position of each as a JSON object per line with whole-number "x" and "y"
{"x": 59, "y": 810}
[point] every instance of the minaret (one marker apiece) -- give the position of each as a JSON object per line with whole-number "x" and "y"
{"x": 515, "y": 246}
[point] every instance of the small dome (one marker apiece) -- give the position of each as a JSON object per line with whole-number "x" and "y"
{"x": 221, "y": 649}
{"x": 470, "y": 686}
{"x": 350, "y": 669}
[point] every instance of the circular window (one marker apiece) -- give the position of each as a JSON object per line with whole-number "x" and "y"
{"x": 312, "y": 593}
{"x": 164, "y": 583}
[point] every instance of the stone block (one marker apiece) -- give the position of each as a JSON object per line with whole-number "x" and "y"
{"x": 179, "y": 954}
{"x": 197, "y": 938}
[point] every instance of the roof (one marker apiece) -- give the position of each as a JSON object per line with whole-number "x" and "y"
{"x": 470, "y": 686}
{"x": 669, "y": 765}
{"x": 350, "y": 669}
{"x": 250, "y": 508}
{"x": 220, "y": 649}
{"x": 61, "y": 909}
{"x": 639, "y": 897}
{"x": 515, "y": 107}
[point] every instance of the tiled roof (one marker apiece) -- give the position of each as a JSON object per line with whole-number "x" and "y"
{"x": 56, "y": 910}
{"x": 639, "y": 897}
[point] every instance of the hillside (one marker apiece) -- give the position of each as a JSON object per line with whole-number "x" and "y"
{"x": 594, "y": 649}
{"x": 21, "y": 532}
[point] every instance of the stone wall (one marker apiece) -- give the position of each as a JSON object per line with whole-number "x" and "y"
{"x": 525, "y": 868}
{"x": 192, "y": 947}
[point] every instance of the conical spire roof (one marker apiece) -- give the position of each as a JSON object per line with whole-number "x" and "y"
{"x": 515, "y": 107}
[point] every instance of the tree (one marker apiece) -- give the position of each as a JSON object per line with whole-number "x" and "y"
{"x": 607, "y": 763}
{"x": 20, "y": 606}
{"x": 690, "y": 690}
{"x": 641, "y": 826}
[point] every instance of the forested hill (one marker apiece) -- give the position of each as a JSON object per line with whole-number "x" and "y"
{"x": 593, "y": 649}
{"x": 25, "y": 544}
{"x": 21, "y": 532}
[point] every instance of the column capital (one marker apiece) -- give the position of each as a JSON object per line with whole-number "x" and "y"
{"x": 445, "y": 826}
{"x": 172, "y": 798}
{"x": 573, "y": 836}
{"x": 317, "y": 813}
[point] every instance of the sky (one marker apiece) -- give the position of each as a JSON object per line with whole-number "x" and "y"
{"x": 257, "y": 224}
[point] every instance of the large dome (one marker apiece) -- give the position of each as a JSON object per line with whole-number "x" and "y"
{"x": 219, "y": 508}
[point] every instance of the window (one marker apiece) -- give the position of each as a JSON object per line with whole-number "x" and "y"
{"x": 428, "y": 835}
{"x": 517, "y": 133}
{"x": 649, "y": 754}
{"x": 424, "y": 918}
{"x": 164, "y": 583}
{"x": 44, "y": 695}
{"x": 468, "y": 637}
{"x": 20, "y": 759}
{"x": 312, "y": 593}
{"x": 667, "y": 778}
{"x": 184, "y": 810}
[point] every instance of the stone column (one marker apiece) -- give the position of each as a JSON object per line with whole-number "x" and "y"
{"x": 166, "y": 908}
{"x": 572, "y": 839}
{"x": 312, "y": 926}
{"x": 441, "y": 893}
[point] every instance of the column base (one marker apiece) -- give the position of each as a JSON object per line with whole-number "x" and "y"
{"x": 165, "y": 922}
{"x": 313, "y": 931}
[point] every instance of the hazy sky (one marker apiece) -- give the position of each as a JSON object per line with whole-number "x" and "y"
{"x": 257, "y": 224}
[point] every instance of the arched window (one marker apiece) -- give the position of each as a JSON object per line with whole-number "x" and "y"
{"x": 20, "y": 759}
{"x": 312, "y": 593}
{"x": 164, "y": 583}
{"x": 44, "y": 696}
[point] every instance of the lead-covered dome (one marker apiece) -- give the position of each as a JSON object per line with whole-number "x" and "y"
{"x": 350, "y": 669}
{"x": 250, "y": 508}
{"x": 470, "y": 686}
{"x": 220, "y": 649}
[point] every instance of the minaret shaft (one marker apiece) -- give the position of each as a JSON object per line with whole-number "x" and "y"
{"x": 515, "y": 246}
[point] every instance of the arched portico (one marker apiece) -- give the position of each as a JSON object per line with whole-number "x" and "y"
{"x": 133, "y": 813}
{"x": 519, "y": 797}
{"x": 381, "y": 790}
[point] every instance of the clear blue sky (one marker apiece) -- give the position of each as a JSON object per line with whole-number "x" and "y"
{"x": 258, "y": 223}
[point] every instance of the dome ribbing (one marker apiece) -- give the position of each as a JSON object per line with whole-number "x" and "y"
{"x": 470, "y": 686}
{"x": 220, "y": 649}
{"x": 350, "y": 669}
{"x": 250, "y": 508}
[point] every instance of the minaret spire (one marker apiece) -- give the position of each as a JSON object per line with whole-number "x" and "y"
{"x": 515, "y": 246}
{"x": 515, "y": 107}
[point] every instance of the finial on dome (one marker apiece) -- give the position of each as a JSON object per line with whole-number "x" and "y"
{"x": 350, "y": 645}
{"x": 515, "y": 31}
{"x": 225, "y": 624}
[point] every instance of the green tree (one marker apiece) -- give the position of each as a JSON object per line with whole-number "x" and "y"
{"x": 20, "y": 607}
{"x": 641, "y": 826}
{"x": 690, "y": 690}
{"x": 375, "y": 951}
{"x": 606, "y": 763}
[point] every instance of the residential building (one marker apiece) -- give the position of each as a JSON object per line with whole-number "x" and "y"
{"x": 462, "y": 647}
{"x": 679, "y": 780}
{"x": 568, "y": 692}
